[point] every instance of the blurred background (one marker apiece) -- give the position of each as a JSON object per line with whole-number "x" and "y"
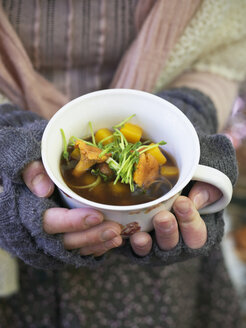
{"x": 234, "y": 242}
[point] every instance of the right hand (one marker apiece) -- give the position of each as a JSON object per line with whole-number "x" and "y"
{"x": 82, "y": 228}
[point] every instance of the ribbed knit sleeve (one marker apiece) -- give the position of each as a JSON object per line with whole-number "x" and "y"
{"x": 21, "y": 212}
{"x": 216, "y": 151}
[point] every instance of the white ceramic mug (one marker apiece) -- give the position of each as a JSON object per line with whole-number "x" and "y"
{"x": 160, "y": 120}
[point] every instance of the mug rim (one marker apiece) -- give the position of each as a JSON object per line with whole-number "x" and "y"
{"x": 71, "y": 194}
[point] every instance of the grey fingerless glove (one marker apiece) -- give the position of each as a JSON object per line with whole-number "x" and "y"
{"x": 21, "y": 231}
{"x": 216, "y": 151}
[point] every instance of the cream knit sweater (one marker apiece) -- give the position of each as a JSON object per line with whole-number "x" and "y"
{"x": 214, "y": 41}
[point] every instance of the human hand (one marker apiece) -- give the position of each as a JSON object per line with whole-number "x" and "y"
{"x": 187, "y": 218}
{"x": 82, "y": 229}
{"x": 88, "y": 237}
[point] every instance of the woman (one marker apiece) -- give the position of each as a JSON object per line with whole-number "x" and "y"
{"x": 81, "y": 54}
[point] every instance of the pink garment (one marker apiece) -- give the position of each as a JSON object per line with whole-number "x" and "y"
{"x": 145, "y": 32}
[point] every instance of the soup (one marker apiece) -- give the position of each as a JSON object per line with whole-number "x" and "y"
{"x": 118, "y": 166}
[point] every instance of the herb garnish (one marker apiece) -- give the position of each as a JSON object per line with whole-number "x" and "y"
{"x": 124, "y": 156}
{"x": 65, "y": 152}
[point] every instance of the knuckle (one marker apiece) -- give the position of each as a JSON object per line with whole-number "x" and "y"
{"x": 191, "y": 220}
{"x": 67, "y": 241}
{"x": 116, "y": 242}
{"x": 165, "y": 224}
{"x": 186, "y": 213}
{"x": 48, "y": 228}
{"x": 111, "y": 224}
{"x": 97, "y": 249}
{"x": 214, "y": 193}
{"x": 168, "y": 234}
{"x": 94, "y": 249}
{"x": 196, "y": 236}
{"x": 47, "y": 223}
{"x": 71, "y": 224}
{"x": 75, "y": 240}
{"x": 92, "y": 236}
{"x": 86, "y": 240}
{"x": 72, "y": 220}
{"x": 101, "y": 249}
{"x": 85, "y": 251}
{"x": 32, "y": 169}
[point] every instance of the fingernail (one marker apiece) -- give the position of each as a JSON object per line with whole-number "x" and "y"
{"x": 92, "y": 220}
{"x": 201, "y": 199}
{"x": 108, "y": 234}
{"x": 183, "y": 207}
{"x": 41, "y": 186}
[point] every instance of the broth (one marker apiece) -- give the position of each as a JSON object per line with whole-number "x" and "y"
{"x": 106, "y": 192}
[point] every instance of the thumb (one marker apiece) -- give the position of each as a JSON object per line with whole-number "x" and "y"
{"x": 203, "y": 194}
{"x": 37, "y": 180}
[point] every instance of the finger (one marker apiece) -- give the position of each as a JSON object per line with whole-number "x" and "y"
{"x": 166, "y": 230}
{"x": 192, "y": 227}
{"x": 37, "y": 180}
{"x": 141, "y": 243}
{"x": 101, "y": 248}
{"x": 60, "y": 220}
{"x": 203, "y": 194}
{"x": 93, "y": 236}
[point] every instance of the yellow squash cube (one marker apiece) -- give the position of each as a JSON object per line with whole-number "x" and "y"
{"x": 131, "y": 132}
{"x": 157, "y": 154}
{"x": 169, "y": 171}
{"x": 103, "y": 133}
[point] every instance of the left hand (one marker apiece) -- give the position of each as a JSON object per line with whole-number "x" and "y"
{"x": 187, "y": 218}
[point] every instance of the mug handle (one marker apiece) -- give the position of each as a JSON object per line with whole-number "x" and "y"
{"x": 218, "y": 179}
